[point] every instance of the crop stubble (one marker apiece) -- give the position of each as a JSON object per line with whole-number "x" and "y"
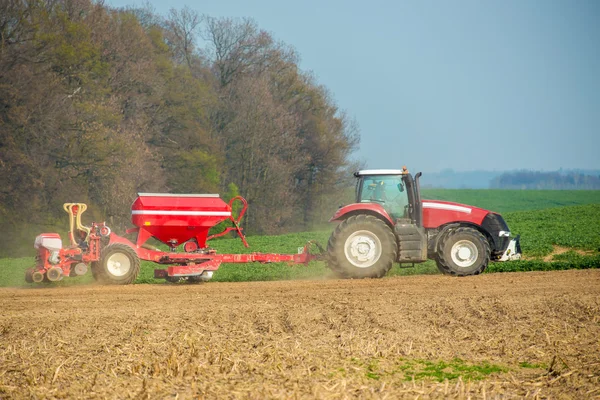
{"x": 305, "y": 339}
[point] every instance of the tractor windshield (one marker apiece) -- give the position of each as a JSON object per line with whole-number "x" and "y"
{"x": 387, "y": 190}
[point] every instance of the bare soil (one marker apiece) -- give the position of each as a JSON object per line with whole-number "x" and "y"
{"x": 557, "y": 250}
{"x": 306, "y": 339}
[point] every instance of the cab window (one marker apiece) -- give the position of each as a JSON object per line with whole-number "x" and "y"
{"x": 387, "y": 190}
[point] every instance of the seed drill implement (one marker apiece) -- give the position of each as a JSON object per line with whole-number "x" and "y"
{"x": 182, "y": 220}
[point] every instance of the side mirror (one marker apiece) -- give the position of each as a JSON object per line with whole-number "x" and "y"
{"x": 400, "y": 187}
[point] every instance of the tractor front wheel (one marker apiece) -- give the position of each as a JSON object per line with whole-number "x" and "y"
{"x": 463, "y": 251}
{"x": 118, "y": 265}
{"x": 362, "y": 246}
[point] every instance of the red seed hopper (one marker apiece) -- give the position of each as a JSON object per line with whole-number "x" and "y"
{"x": 173, "y": 219}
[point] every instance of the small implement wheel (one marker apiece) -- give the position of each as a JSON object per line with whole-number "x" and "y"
{"x": 195, "y": 279}
{"x": 204, "y": 277}
{"x": 29, "y": 275}
{"x": 362, "y": 246}
{"x": 463, "y": 251}
{"x": 118, "y": 265}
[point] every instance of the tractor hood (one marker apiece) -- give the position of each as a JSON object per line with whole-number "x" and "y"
{"x": 437, "y": 213}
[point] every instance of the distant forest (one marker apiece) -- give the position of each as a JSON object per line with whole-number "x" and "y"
{"x": 98, "y": 103}
{"x": 546, "y": 180}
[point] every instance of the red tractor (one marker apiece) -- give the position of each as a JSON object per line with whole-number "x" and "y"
{"x": 390, "y": 223}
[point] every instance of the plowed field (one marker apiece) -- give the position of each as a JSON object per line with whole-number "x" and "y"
{"x": 491, "y": 336}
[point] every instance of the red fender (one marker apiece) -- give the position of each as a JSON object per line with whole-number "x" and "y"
{"x": 362, "y": 208}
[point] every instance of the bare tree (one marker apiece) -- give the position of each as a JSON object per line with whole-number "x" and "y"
{"x": 238, "y": 47}
{"x": 181, "y": 29}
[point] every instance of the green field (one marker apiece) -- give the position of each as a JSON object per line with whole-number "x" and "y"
{"x": 576, "y": 227}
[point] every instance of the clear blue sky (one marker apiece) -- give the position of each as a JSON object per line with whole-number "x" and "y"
{"x": 462, "y": 84}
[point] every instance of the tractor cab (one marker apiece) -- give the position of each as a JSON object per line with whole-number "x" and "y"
{"x": 393, "y": 189}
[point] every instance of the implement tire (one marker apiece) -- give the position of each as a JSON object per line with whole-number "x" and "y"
{"x": 362, "y": 246}
{"x": 462, "y": 252}
{"x": 118, "y": 265}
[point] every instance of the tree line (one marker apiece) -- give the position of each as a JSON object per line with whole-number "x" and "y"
{"x": 556, "y": 180}
{"x": 98, "y": 103}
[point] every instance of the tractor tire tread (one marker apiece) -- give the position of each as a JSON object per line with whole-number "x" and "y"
{"x": 337, "y": 262}
{"x": 440, "y": 259}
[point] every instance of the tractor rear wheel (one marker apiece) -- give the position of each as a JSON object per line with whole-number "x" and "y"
{"x": 118, "y": 265}
{"x": 463, "y": 251}
{"x": 362, "y": 246}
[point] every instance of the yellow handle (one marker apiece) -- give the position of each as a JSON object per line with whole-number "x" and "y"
{"x": 75, "y": 220}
